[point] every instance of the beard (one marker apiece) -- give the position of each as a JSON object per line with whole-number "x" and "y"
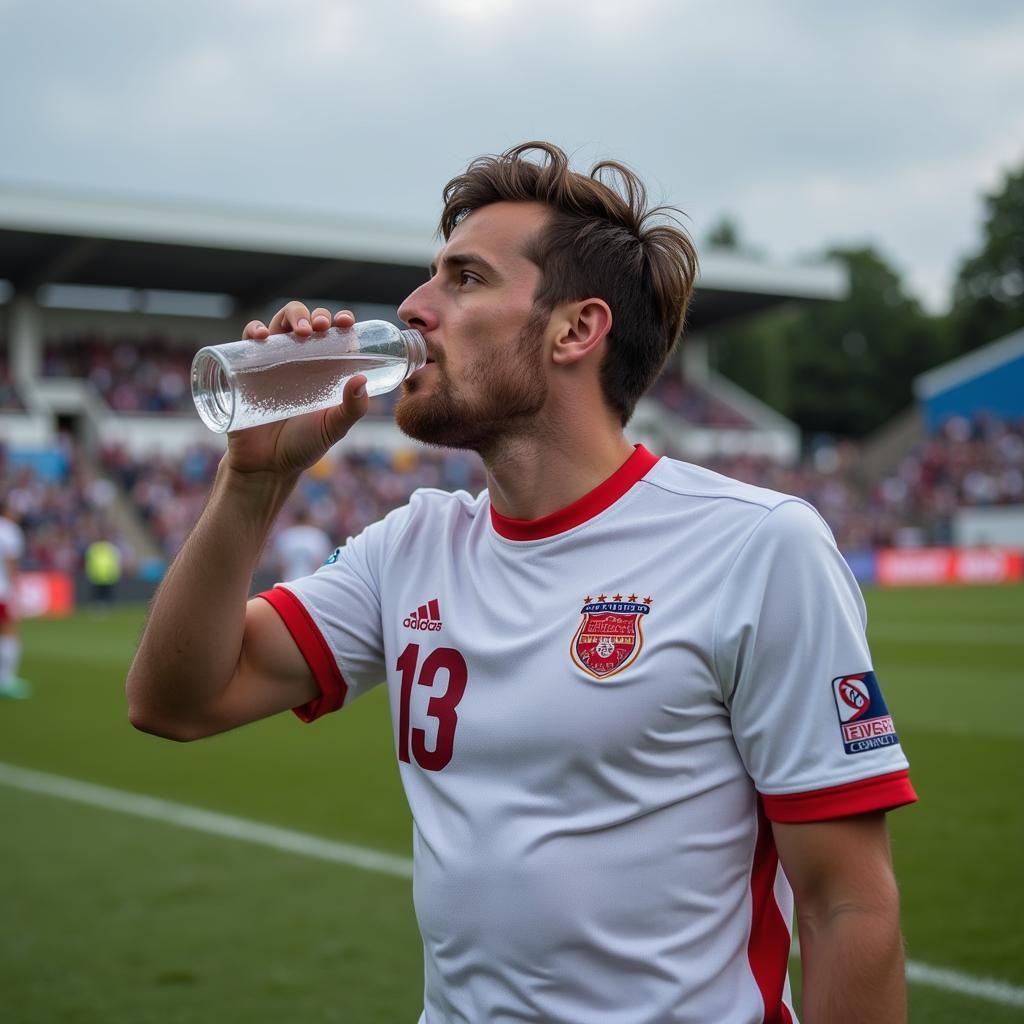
{"x": 506, "y": 389}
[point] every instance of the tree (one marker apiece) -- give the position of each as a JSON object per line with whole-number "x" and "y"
{"x": 841, "y": 367}
{"x": 724, "y": 234}
{"x": 988, "y": 297}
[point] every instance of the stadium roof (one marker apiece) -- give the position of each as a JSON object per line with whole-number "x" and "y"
{"x": 94, "y": 239}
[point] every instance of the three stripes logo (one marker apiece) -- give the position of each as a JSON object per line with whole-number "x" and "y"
{"x": 427, "y": 616}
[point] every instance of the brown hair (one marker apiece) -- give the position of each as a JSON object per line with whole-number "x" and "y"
{"x": 600, "y": 243}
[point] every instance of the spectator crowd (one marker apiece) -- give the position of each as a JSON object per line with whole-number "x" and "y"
{"x": 62, "y": 505}
{"x": 341, "y": 495}
{"x": 966, "y": 463}
{"x": 133, "y": 375}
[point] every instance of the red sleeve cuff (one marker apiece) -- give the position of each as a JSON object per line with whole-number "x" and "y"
{"x": 313, "y": 646}
{"x": 880, "y": 793}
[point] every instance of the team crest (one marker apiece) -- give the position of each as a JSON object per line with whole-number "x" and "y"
{"x": 610, "y": 635}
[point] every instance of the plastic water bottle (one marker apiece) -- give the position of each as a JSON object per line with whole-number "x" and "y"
{"x": 245, "y": 383}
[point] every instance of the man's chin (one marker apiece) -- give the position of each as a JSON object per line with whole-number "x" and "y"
{"x": 424, "y": 419}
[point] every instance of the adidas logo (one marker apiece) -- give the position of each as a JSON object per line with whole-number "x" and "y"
{"x": 427, "y": 616}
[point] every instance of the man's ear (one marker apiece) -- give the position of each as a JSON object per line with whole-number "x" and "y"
{"x": 582, "y": 326}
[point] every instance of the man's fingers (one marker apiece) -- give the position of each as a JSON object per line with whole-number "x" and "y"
{"x": 292, "y": 317}
{"x": 256, "y": 329}
{"x": 295, "y": 317}
{"x": 340, "y": 420}
{"x": 354, "y": 397}
{"x": 320, "y": 319}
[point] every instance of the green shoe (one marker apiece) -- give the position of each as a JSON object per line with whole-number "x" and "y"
{"x": 15, "y": 689}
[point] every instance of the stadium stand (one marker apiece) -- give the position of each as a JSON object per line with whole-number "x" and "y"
{"x": 108, "y": 300}
{"x": 694, "y": 404}
{"x": 968, "y": 463}
{"x": 343, "y": 494}
{"x": 148, "y": 374}
{"x": 965, "y": 463}
{"x": 62, "y": 504}
{"x": 9, "y": 398}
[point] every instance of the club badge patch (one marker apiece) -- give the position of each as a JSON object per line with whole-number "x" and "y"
{"x": 863, "y": 717}
{"x": 610, "y": 634}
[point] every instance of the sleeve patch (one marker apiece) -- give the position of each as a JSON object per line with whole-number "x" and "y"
{"x": 864, "y": 719}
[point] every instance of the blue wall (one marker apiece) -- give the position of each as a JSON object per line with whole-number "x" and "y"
{"x": 1000, "y": 390}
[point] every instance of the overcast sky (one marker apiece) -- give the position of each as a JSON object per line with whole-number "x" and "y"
{"x": 810, "y": 122}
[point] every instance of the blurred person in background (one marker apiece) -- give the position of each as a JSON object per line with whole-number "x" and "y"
{"x": 103, "y": 567}
{"x": 300, "y": 549}
{"x": 12, "y": 547}
{"x": 633, "y": 703}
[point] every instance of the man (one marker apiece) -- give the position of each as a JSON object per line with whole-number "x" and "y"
{"x": 102, "y": 560}
{"x": 12, "y": 546}
{"x": 623, "y": 689}
{"x": 301, "y": 548}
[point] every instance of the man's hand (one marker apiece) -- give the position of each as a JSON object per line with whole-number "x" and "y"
{"x": 289, "y": 447}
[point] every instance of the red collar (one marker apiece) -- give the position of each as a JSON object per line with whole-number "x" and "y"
{"x": 591, "y": 504}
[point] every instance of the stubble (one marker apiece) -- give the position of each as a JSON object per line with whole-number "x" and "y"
{"x": 502, "y": 391}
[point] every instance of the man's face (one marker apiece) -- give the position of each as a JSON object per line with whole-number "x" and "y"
{"x": 483, "y": 334}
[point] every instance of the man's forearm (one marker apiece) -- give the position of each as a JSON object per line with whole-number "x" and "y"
{"x": 852, "y": 967}
{"x": 192, "y": 640}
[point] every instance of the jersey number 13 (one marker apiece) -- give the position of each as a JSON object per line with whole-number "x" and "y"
{"x": 440, "y": 707}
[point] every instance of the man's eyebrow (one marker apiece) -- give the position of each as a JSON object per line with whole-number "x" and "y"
{"x": 462, "y": 259}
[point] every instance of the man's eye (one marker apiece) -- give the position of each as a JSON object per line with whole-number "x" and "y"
{"x": 465, "y": 277}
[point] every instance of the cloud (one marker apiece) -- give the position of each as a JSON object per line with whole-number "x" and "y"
{"x": 810, "y": 123}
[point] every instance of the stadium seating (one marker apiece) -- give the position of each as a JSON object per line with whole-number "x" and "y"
{"x": 967, "y": 463}
{"x": 10, "y": 401}
{"x": 694, "y": 404}
{"x": 62, "y": 505}
{"x": 343, "y": 495}
{"x": 964, "y": 463}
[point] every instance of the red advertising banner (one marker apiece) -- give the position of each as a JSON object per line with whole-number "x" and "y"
{"x": 931, "y": 567}
{"x": 44, "y": 593}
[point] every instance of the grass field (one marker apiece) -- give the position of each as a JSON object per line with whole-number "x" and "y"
{"x": 110, "y": 917}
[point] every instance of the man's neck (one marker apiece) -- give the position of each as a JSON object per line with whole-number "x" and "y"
{"x": 533, "y": 476}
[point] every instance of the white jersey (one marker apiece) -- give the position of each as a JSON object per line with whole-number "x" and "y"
{"x": 12, "y": 547}
{"x": 301, "y": 549}
{"x": 597, "y": 715}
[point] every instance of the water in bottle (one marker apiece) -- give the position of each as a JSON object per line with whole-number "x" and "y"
{"x": 246, "y": 383}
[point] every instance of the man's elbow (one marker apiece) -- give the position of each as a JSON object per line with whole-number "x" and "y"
{"x": 146, "y": 718}
{"x": 165, "y": 728}
{"x": 876, "y": 910}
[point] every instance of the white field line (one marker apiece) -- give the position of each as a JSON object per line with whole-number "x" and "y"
{"x": 194, "y": 818}
{"x": 953, "y": 981}
{"x": 204, "y": 821}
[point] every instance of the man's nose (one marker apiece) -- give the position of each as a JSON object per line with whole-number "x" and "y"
{"x": 418, "y": 310}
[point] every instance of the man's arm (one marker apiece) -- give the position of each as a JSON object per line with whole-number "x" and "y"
{"x": 847, "y": 909}
{"x": 210, "y": 660}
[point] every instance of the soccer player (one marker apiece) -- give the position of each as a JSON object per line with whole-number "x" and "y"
{"x": 301, "y": 548}
{"x": 633, "y": 706}
{"x": 12, "y": 546}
